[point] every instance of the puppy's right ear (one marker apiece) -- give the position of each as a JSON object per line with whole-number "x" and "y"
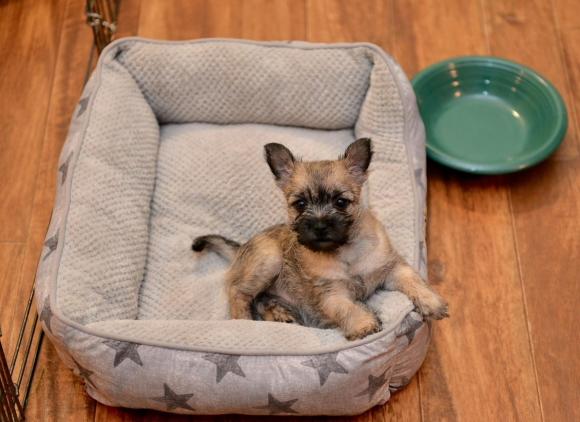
{"x": 281, "y": 162}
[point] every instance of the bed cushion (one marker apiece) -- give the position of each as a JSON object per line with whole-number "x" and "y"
{"x": 165, "y": 145}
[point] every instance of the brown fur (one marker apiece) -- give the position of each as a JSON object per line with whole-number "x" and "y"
{"x": 284, "y": 280}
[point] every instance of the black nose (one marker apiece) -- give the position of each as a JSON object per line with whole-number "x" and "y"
{"x": 319, "y": 227}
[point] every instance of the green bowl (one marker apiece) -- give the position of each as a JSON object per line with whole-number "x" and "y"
{"x": 487, "y": 115}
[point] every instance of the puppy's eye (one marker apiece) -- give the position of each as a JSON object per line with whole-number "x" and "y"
{"x": 341, "y": 203}
{"x": 300, "y": 205}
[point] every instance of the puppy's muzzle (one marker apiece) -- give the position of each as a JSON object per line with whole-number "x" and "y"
{"x": 322, "y": 234}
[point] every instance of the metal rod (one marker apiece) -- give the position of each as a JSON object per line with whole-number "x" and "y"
{"x": 22, "y": 329}
{"x": 26, "y": 353}
{"x": 4, "y": 415}
{"x": 9, "y": 400}
{"x": 34, "y": 362}
{"x": 5, "y": 382}
{"x": 5, "y": 410}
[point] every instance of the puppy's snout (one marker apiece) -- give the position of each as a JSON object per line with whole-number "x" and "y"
{"x": 321, "y": 227}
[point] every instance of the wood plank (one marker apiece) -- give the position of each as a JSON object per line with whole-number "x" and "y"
{"x": 29, "y": 37}
{"x": 251, "y": 19}
{"x": 483, "y": 350}
{"x": 546, "y": 202}
{"x": 566, "y": 14}
{"x": 128, "y": 19}
{"x": 480, "y": 365}
{"x": 68, "y": 401}
{"x": 57, "y": 394}
{"x": 347, "y": 21}
{"x": 426, "y": 32}
{"x": 11, "y": 308}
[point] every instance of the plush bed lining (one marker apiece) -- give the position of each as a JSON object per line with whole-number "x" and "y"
{"x": 114, "y": 305}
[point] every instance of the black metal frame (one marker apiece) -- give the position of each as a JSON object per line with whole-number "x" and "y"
{"x": 16, "y": 376}
{"x": 10, "y": 407}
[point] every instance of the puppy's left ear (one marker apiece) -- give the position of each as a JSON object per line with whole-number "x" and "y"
{"x": 357, "y": 158}
{"x": 281, "y": 162}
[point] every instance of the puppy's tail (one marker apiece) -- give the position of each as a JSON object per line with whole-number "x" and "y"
{"x": 224, "y": 247}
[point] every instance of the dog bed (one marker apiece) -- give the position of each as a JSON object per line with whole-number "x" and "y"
{"x": 166, "y": 144}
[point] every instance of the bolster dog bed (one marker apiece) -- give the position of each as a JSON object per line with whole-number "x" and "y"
{"x": 165, "y": 145}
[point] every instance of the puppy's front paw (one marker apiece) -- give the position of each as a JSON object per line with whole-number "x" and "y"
{"x": 431, "y": 305}
{"x": 363, "y": 327}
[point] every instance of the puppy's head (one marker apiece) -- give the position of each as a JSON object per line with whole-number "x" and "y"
{"x": 324, "y": 197}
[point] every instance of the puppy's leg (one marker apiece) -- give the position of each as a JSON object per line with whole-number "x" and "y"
{"x": 240, "y": 302}
{"x": 257, "y": 264}
{"x": 402, "y": 277}
{"x": 353, "y": 318}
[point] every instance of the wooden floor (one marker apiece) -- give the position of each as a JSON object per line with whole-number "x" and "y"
{"x": 504, "y": 250}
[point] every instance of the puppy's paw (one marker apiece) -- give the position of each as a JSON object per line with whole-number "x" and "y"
{"x": 369, "y": 324}
{"x": 278, "y": 313}
{"x": 431, "y": 305}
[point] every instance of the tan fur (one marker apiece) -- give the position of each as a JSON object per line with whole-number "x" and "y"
{"x": 328, "y": 289}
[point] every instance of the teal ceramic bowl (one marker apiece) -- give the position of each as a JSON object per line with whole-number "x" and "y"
{"x": 489, "y": 116}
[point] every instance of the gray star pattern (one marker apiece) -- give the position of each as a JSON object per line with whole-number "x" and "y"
{"x": 46, "y": 314}
{"x": 173, "y": 400}
{"x": 124, "y": 350}
{"x": 225, "y": 364}
{"x": 51, "y": 243}
{"x": 83, "y": 106}
{"x": 375, "y": 384}
{"x": 64, "y": 169}
{"x": 410, "y": 325}
{"x": 276, "y": 406}
{"x": 325, "y": 365}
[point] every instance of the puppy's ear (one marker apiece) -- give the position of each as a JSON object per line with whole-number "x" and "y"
{"x": 357, "y": 158}
{"x": 281, "y": 162}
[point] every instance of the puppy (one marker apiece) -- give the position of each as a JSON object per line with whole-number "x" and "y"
{"x": 332, "y": 255}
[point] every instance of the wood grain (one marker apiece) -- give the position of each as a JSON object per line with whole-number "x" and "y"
{"x": 483, "y": 350}
{"x": 57, "y": 394}
{"x": 128, "y": 20}
{"x": 429, "y": 31}
{"x": 11, "y": 309}
{"x": 251, "y": 19}
{"x": 546, "y": 204}
{"x": 348, "y": 21}
{"x": 27, "y": 63}
{"x": 566, "y": 13}
{"x": 480, "y": 364}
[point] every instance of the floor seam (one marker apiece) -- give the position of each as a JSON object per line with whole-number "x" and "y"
{"x": 525, "y": 303}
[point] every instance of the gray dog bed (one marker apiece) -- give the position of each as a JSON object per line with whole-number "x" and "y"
{"x": 165, "y": 145}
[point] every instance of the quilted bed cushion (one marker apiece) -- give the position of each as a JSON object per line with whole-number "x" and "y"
{"x": 172, "y": 149}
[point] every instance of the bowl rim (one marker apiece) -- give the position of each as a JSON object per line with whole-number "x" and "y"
{"x": 550, "y": 144}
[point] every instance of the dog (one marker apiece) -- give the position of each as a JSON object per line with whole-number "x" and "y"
{"x": 332, "y": 255}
